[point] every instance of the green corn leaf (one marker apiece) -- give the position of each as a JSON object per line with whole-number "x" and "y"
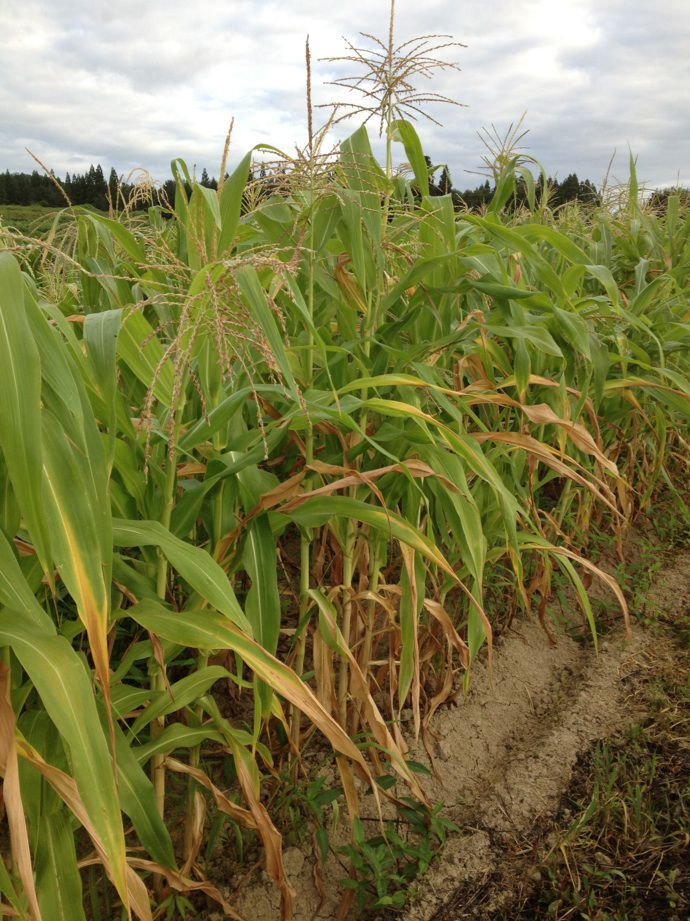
{"x": 125, "y": 697}
{"x": 139, "y": 348}
{"x": 361, "y": 168}
{"x": 231, "y": 204}
{"x": 65, "y": 690}
{"x": 80, "y": 529}
{"x": 181, "y": 694}
{"x": 58, "y": 882}
{"x": 222, "y": 414}
{"x": 16, "y": 593}
{"x": 404, "y": 132}
{"x": 603, "y": 275}
{"x": 138, "y": 801}
{"x": 174, "y": 737}
{"x": 315, "y": 512}
{"x": 194, "y": 564}
{"x": 100, "y": 334}
{"x": 255, "y": 298}
{"x": 20, "y": 419}
{"x": 124, "y": 237}
{"x": 262, "y": 606}
{"x": 522, "y": 367}
{"x": 206, "y": 630}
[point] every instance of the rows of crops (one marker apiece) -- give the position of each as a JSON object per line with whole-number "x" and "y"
{"x": 270, "y": 467}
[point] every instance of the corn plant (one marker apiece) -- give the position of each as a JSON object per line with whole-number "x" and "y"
{"x": 260, "y": 457}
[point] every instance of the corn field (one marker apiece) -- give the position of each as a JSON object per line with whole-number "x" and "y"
{"x": 271, "y": 467}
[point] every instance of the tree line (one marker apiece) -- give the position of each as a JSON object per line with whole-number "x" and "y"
{"x": 92, "y": 188}
{"x": 88, "y": 188}
{"x": 570, "y": 189}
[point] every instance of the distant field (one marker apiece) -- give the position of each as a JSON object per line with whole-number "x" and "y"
{"x": 34, "y": 219}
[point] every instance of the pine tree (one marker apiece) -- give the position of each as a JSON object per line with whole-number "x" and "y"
{"x": 569, "y": 188}
{"x": 112, "y": 187}
{"x": 100, "y": 191}
{"x": 445, "y": 184}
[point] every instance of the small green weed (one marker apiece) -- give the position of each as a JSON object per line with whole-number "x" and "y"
{"x": 386, "y": 866}
{"x": 175, "y": 906}
{"x": 307, "y": 805}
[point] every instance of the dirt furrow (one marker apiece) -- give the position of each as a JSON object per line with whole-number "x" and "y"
{"x": 530, "y": 773}
{"x": 502, "y": 756}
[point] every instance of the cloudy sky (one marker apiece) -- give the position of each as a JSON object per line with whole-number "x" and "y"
{"x": 137, "y": 82}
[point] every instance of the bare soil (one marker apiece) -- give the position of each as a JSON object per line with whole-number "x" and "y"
{"x": 502, "y": 759}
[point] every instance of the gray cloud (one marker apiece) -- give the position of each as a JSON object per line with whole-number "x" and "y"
{"x": 130, "y": 83}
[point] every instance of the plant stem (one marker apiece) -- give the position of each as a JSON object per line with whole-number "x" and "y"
{"x": 306, "y": 535}
{"x": 202, "y": 662}
{"x": 158, "y": 681}
{"x": 157, "y": 678}
{"x": 348, "y": 569}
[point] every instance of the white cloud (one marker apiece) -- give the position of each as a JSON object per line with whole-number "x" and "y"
{"x": 126, "y": 83}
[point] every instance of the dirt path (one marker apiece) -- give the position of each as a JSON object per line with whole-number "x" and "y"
{"x": 584, "y": 698}
{"x": 547, "y": 709}
{"x": 503, "y": 758}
